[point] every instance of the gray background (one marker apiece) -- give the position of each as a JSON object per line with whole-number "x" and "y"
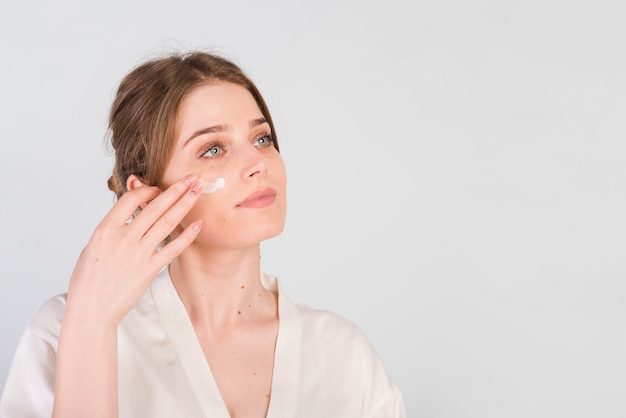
{"x": 457, "y": 177}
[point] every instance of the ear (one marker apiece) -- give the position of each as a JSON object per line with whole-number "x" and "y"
{"x": 133, "y": 182}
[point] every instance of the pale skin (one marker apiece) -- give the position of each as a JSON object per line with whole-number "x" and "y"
{"x": 214, "y": 256}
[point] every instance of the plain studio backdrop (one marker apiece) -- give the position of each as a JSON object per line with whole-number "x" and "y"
{"x": 457, "y": 177}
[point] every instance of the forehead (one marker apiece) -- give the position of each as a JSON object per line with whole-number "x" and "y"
{"x": 218, "y": 102}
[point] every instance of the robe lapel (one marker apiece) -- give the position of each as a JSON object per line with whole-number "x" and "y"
{"x": 187, "y": 347}
{"x": 284, "y": 397}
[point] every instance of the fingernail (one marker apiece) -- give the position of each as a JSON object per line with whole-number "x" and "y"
{"x": 196, "y": 226}
{"x": 196, "y": 189}
{"x": 190, "y": 179}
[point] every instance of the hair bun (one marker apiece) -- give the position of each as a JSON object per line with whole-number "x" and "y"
{"x": 115, "y": 186}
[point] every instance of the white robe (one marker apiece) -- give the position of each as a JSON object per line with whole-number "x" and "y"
{"x": 324, "y": 366}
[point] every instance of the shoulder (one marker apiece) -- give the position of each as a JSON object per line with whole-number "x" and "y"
{"x": 29, "y": 386}
{"x": 334, "y": 334}
{"x": 317, "y": 326}
{"x": 46, "y": 322}
{"x": 330, "y": 324}
{"x": 336, "y": 351}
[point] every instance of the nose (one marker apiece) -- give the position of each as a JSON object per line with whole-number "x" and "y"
{"x": 253, "y": 162}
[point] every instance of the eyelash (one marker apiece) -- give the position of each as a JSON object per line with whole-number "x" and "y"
{"x": 210, "y": 146}
{"x": 268, "y": 137}
{"x": 219, "y": 144}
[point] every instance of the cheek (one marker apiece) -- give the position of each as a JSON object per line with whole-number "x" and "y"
{"x": 278, "y": 168}
{"x": 210, "y": 209}
{"x": 217, "y": 212}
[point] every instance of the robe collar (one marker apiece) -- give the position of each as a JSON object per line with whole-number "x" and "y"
{"x": 184, "y": 341}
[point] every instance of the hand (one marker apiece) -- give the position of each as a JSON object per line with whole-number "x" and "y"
{"x": 120, "y": 260}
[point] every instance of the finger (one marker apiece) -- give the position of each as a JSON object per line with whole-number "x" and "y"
{"x": 174, "y": 248}
{"x": 128, "y": 204}
{"x": 158, "y": 206}
{"x": 172, "y": 217}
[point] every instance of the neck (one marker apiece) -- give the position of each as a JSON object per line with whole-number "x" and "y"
{"x": 221, "y": 289}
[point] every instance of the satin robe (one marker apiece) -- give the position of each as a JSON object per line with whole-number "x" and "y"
{"x": 324, "y": 366}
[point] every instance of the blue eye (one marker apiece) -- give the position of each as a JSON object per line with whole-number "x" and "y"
{"x": 214, "y": 150}
{"x": 263, "y": 141}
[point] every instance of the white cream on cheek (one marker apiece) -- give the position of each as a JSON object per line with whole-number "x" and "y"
{"x": 213, "y": 185}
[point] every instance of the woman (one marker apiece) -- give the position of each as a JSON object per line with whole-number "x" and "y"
{"x": 167, "y": 313}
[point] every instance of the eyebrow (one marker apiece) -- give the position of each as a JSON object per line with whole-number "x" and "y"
{"x": 222, "y": 128}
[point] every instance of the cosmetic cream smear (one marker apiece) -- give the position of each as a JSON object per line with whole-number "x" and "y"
{"x": 213, "y": 185}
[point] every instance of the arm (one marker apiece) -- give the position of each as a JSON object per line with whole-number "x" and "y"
{"x": 112, "y": 273}
{"x": 381, "y": 397}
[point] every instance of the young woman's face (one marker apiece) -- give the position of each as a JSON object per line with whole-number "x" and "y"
{"x": 221, "y": 132}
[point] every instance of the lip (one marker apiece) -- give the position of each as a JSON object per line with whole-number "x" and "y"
{"x": 259, "y": 199}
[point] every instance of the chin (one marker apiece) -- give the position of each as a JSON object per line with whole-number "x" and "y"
{"x": 260, "y": 228}
{"x": 242, "y": 235}
{"x": 265, "y": 231}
